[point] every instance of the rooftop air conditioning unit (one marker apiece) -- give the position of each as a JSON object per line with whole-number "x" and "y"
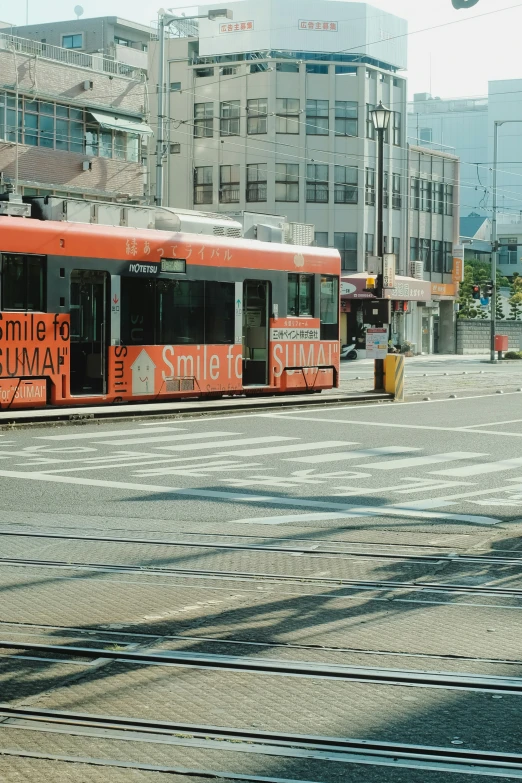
{"x": 416, "y": 269}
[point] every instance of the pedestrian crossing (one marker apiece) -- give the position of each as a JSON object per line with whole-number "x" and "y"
{"x": 214, "y": 462}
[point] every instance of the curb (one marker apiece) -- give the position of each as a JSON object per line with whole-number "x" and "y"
{"x": 85, "y": 415}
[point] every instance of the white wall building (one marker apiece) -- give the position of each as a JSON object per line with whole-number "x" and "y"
{"x": 270, "y": 112}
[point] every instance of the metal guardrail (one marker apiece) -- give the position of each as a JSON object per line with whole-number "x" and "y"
{"x": 93, "y": 62}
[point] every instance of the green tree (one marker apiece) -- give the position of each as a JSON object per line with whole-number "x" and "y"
{"x": 478, "y": 273}
{"x": 515, "y": 300}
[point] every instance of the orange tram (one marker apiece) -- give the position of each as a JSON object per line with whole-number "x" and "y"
{"x": 101, "y": 314}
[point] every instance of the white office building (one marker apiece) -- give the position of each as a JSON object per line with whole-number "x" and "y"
{"x": 269, "y": 112}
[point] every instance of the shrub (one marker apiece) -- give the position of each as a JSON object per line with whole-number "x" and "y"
{"x": 513, "y": 355}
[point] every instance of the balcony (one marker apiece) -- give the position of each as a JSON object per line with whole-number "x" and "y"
{"x": 92, "y": 62}
{"x": 203, "y": 196}
{"x": 256, "y": 193}
{"x": 229, "y": 196}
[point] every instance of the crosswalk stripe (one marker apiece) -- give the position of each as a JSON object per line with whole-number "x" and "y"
{"x": 223, "y": 443}
{"x": 266, "y": 450}
{"x": 485, "y": 467}
{"x": 166, "y": 438}
{"x": 345, "y": 455}
{"x": 415, "y": 462}
{"x": 115, "y": 433}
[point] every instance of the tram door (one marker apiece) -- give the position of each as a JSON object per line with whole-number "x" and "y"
{"x": 255, "y": 332}
{"x": 88, "y": 304}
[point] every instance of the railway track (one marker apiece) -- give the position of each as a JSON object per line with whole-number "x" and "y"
{"x": 94, "y": 635}
{"x": 258, "y": 576}
{"x": 303, "y": 551}
{"x": 239, "y": 740}
{"x": 305, "y": 669}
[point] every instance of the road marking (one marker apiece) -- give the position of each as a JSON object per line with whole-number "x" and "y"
{"x": 115, "y": 433}
{"x": 382, "y": 424}
{"x": 491, "y": 424}
{"x": 266, "y": 450}
{"x": 483, "y": 468}
{"x": 165, "y": 438}
{"x": 235, "y": 497}
{"x": 221, "y": 444}
{"x": 344, "y": 455}
{"x": 415, "y": 462}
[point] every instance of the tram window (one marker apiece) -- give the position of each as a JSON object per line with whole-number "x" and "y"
{"x": 181, "y": 312}
{"x": 300, "y": 295}
{"x": 329, "y": 308}
{"x": 219, "y": 313}
{"x": 137, "y": 311}
{"x": 23, "y": 282}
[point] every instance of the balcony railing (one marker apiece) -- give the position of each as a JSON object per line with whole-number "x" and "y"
{"x": 256, "y": 193}
{"x": 229, "y": 196}
{"x": 93, "y": 62}
{"x": 203, "y": 196}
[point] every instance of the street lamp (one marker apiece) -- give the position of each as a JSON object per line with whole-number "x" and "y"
{"x": 381, "y": 119}
{"x": 164, "y": 20}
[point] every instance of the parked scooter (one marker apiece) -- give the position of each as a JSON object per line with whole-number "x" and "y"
{"x": 349, "y": 352}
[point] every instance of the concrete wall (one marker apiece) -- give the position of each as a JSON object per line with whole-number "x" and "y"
{"x": 473, "y": 337}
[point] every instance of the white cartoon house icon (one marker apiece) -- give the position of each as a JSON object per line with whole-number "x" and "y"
{"x": 143, "y": 375}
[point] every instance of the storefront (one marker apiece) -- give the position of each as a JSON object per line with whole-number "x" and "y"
{"x": 403, "y": 309}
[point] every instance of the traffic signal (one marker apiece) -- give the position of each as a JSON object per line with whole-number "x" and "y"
{"x": 464, "y": 3}
{"x": 488, "y": 290}
{"x": 475, "y": 292}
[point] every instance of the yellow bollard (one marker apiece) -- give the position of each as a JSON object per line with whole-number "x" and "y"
{"x": 394, "y": 376}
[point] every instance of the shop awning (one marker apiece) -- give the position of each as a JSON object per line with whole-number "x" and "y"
{"x": 121, "y": 123}
{"x": 406, "y": 288}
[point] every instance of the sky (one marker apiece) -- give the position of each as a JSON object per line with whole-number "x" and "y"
{"x": 451, "y": 53}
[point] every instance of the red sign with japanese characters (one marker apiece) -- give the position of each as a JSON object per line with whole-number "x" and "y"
{"x": 236, "y": 27}
{"x": 325, "y": 27}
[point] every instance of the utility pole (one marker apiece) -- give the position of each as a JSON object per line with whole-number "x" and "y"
{"x": 494, "y": 245}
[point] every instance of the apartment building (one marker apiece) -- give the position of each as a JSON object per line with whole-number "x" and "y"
{"x": 71, "y": 123}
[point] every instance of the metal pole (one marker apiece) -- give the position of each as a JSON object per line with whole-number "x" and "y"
{"x": 380, "y": 192}
{"x": 494, "y": 254}
{"x": 161, "y": 118}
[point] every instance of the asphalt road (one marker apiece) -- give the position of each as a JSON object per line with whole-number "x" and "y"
{"x": 383, "y": 536}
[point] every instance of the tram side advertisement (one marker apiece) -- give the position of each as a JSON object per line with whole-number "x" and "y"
{"x": 299, "y": 358}
{"x": 34, "y": 347}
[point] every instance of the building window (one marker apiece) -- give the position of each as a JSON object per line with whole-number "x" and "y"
{"x": 370, "y": 127}
{"x": 72, "y": 41}
{"x": 229, "y": 118}
{"x": 203, "y": 120}
{"x": 414, "y": 193}
{"x": 287, "y": 67}
{"x": 448, "y": 257}
{"x": 448, "y": 200}
{"x": 425, "y": 253}
{"x": 203, "y": 186}
{"x": 396, "y": 191}
{"x": 287, "y": 115}
{"x": 175, "y": 86}
{"x": 317, "y": 183}
{"x": 346, "y": 244}
{"x": 316, "y": 68}
{"x": 300, "y": 295}
{"x": 346, "y": 189}
{"x": 346, "y": 113}
{"x": 438, "y": 197}
{"x": 369, "y": 244}
{"x": 317, "y": 118}
{"x": 287, "y": 182}
{"x": 369, "y": 190}
{"x": 256, "y": 182}
{"x": 203, "y": 73}
{"x": 425, "y": 195}
{"x": 321, "y": 238}
{"x": 385, "y": 191}
{"x": 344, "y": 70}
{"x": 414, "y": 249}
{"x": 437, "y": 263}
{"x": 229, "y": 184}
{"x": 23, "y": 282}
{"x": 396, "y": 247}
{"x": 396, "y": 128}
{"x": 426, "y": 135}
{"x": 175, "y": 148}
{"x": 228, "y": 70}
{"x": 257, "y": 114}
